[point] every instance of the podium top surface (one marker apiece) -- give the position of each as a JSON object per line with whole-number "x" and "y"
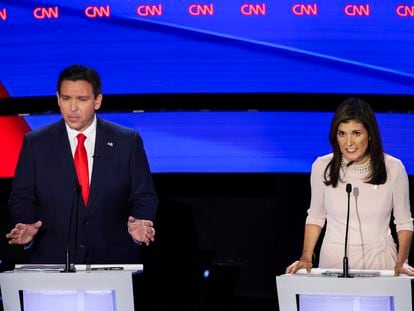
{"x": 87, "y": 268}
{"x": 319, "y": 272}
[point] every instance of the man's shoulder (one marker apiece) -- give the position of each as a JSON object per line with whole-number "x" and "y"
{"x": 114, "y": 128}
{"x": 47, "y": 130}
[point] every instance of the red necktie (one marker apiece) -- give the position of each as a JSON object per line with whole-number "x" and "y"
{"x": 81, "y": 165}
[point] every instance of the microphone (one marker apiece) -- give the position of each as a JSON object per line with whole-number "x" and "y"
{"x": 95, "y": 156}
{"x": 70, "y": 267}
{"x": 345, "y": 272}
{"x": 349, "y": 164}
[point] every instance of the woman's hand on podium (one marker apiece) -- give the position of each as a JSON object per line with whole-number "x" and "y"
{"x": 302, "y": 263}
{"x": 403, "y": 268}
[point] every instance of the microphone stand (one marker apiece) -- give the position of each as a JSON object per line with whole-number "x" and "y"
{"x": 70, "y": 267}
{"x": 345, "y": 273}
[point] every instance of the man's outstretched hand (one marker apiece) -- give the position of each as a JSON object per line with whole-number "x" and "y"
{"x": 23, "y": 233}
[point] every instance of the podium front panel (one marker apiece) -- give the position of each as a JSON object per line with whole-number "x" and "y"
{"x": 386, "y": 293}
{"x": 344, "y": 303}
{"x": 76, "y": 300}
{"x": 111, "y": 290}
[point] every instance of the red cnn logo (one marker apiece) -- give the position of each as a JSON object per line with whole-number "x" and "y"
{"x": 353, "y": 10}
{"x": 98, "y": 11}
{"x": 149, "y": 10}
{"x": 405, "y": 11}
{"x": 253, "y": 9}
{"x": 46, "y": 13}
{"x": 201, "y": 9}
{"x": 305, "y": 9}
{"x": 3, "y": 14}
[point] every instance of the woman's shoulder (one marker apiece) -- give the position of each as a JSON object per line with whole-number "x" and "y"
{"x": 392, "y": 162}
{"x": 324, "y": 159}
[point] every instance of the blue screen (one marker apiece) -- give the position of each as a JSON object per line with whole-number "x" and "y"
{"x": 231, "y": 46}
{"x": 245, "y": 142}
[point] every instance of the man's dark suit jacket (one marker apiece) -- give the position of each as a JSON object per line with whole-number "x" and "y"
{"x": 45, "y": 188}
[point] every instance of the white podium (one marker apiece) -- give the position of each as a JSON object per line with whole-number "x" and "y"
{"x": 103, "y": 288}
{"x": 314, "y": 291}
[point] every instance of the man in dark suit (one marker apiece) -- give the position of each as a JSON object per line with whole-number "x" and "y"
{"x": 102, "y": 217}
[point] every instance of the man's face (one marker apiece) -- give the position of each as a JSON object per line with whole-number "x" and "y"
{"x": 77, "y": 103}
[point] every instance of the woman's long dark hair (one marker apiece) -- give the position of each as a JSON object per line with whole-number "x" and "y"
{"x": 356, "y": 109}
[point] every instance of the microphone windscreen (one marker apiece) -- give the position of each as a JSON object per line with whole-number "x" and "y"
{"x": 348, "y": 188}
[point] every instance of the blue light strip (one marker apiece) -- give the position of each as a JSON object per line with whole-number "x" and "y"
{"x": 245, "y": 142}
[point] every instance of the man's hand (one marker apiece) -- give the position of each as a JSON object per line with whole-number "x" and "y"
{"x": 141, "y": 230}
{"x": 23, "y": 233}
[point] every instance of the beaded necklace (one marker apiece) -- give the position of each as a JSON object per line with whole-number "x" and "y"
{"x": 356, "y": 168}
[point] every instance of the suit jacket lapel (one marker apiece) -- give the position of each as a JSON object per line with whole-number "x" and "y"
{"x": 60, "y": 145}
{"x": 102, "y": 158}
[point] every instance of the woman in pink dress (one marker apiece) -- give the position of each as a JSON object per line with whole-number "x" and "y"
{"x": 380, "y": 190}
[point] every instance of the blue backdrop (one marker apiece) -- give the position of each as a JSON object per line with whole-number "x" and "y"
{"x": 366, "y": 48}
{"x": 244, "y": 142}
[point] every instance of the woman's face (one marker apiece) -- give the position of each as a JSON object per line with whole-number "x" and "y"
{"x": 353, "y": 141}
